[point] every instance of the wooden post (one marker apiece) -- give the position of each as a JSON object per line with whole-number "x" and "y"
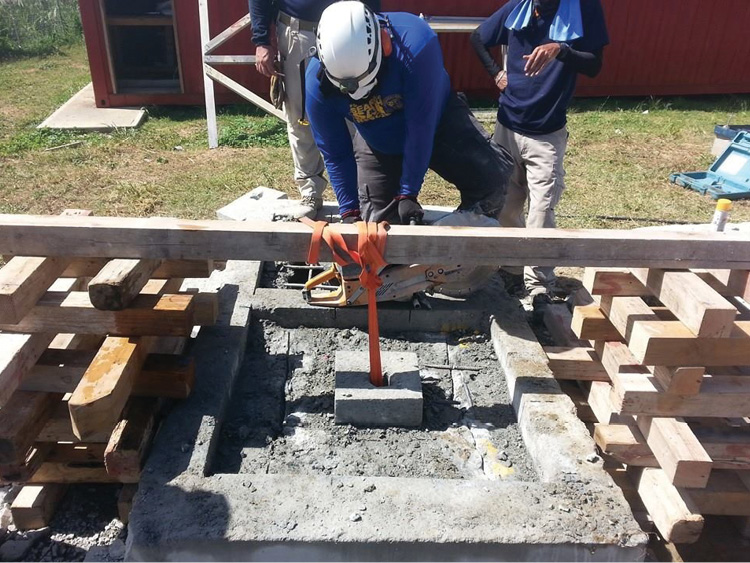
{"x": 120, "y": 282}
{"x": 208, "y": 84}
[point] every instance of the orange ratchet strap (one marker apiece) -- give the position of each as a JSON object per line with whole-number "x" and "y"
{"x": 369, "y": 255}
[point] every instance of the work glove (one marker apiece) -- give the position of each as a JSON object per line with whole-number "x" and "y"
{"x": 351, "y": 217}
{"x": 409, "y": 210}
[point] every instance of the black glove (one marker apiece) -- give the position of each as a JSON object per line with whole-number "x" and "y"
{"x": 351, "y": 217}
{"x": 409, "y": 209}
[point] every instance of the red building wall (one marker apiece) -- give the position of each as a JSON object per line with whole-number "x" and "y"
{"x": 658, "y": 47}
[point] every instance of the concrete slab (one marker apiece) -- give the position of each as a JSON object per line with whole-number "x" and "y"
{"x": 80, "y": 113}
{"x": 359, "y": 402}
{"x": 290, "y": 510}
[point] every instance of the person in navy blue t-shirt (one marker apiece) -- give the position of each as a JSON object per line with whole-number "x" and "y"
{"x": 384, "y": 74}
{"x": 549, "y": 42}
{"x": 296, "y": 22}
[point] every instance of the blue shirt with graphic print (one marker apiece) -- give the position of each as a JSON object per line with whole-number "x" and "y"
{"x": 400, "y": 117}
{"x": 538, "y": 104}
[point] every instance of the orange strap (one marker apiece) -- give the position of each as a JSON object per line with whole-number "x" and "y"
{"x": 369, "y": 255}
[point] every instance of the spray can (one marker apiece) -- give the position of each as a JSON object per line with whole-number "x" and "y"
{"x": 721, "y": 215}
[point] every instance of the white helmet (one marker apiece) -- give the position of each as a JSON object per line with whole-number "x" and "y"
{"x": 349, "y": 47}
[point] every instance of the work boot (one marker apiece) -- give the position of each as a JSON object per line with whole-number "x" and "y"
{"x": 308, "y": 207}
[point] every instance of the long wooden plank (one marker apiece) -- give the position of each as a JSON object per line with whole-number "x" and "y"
{"x": 168, "y": 238}
{"x": 679, "y": 380}
{"x": 35, "y": 505}
{"x": 18, "y": 354}
{"x": 727, "y": 282}
{"x": 149, "y": 315}
{"x": 21, "y": 419}
{"x": 163, "y": 375}
{"x": 579, "y": 364}
{"x": 131, "y": 439}
{"x": 679, "y": 453}
{"x": 636, "y": 394}
{"x": 90, "y": 267}
{"x": 700, "y": 308}
{"x": 622, "y": 312}
{"x": 675, "y": 514}
{"x": 116, "y": 286}
{"x": 22, "y": 472}
{"x": 670, "y": 343}
{"x": 104, "y": 389}
{"x": 23, "y": 281}
{"x": 75, "y": 452}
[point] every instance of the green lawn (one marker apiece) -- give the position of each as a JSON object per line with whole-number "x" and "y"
{"x": 620, "y": 155}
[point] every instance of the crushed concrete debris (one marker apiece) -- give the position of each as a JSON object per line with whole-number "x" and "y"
{"x": 280, "y": 419}
{"x": 85, "y": 527}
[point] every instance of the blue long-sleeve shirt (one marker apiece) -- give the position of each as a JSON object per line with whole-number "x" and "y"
{"x": 263, "y": 12}
{"x": 399, "y": 118}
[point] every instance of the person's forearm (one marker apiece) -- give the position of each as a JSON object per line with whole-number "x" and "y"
{"x": 589, "y": 64}
{"x": 260, "y": 15}
{"x": 488, "y": 61}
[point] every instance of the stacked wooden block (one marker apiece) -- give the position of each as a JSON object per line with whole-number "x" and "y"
{"x": 665, "y": 357}
{"x": 90, "y": 349}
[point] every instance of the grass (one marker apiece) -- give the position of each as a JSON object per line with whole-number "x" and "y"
{"x": 620, "y": 155}
{"x": 37, "y": 27}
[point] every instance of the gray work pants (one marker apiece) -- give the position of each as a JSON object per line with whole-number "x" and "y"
{"x": 539, "y": 177}
{"x": 294, "y": 49}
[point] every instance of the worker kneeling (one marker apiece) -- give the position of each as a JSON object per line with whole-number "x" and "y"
{"x": 384, "y": 73}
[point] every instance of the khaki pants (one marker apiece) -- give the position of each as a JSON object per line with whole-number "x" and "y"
{"x": 294, "y": 48}
{"x": 539, "y": 177}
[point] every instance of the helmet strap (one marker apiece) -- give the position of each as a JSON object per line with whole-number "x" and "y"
{"x": 385, "y": 40}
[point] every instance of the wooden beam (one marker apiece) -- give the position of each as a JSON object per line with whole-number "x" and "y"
{"x": 149, "y": 315}
{"x": 58, "y": 428}
{"x": 728, "y": 448}
{"x": 75, "y": 452}
{"x": 616, "y": 358}
{"x": 111, "y": 237}
{"x": 90, "y": 267}
{"x": 99, "y": 398}
{"x": 613, "y": 281}
{"x": 670, "y": 343}
{"x": 725, "y": 495}
{"x": 599, "y": 399}
{"x": 35, "y": 505}
{"x": 21, "y": 420}
{"x": 590, "y": 323}
{"x": 125, "y": 502}
{"x": 131, "y": 439}
{"x": 702, "y": 310}
{"x": 639, "y": 394}
{"x": 71, "y": 473}
{"x": 579, "y": 364}
{"x": 241, "y": 90}
{"x": 622, "y": 312}
{"x": 679, "y": 453}
{"x": 18, "y": 354}
{"x": 675, "y": 514}
{"x": 22, "y": 472}
{"x": 117, "y": 285}
{"x": 727, "y": 282}
{"x": 625, "y": 443}
{"x": 227, "y": 34}
{"x": 163, "y": 375}
{"x": 23, "y": 281}
{"x": 679, "y": 380}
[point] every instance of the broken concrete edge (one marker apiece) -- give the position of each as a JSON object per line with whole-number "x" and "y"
{"x": 218, "y": 351}
{"x": 259, "y": 517}
{"x": 558, "y": 442}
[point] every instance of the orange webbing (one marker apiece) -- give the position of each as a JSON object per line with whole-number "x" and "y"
{"x": 369, "y": 255}
{"x": 371, "y": 245}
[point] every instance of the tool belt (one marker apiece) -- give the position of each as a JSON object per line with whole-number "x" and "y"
{"x": 304, "y": 25}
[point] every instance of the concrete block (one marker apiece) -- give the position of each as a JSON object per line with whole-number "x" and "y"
{"x": 359, "y": 402}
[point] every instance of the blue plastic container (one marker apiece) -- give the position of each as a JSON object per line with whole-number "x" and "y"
{"x": 728, "y": 177}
